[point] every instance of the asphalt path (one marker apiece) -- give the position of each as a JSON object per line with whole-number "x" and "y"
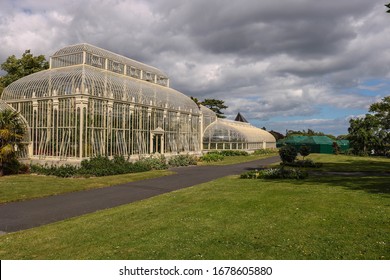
{"x": 22, "y": 215}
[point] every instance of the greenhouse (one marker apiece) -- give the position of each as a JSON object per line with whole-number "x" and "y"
{"x": 233, "y": 135}
{"x": 93, "y": 102}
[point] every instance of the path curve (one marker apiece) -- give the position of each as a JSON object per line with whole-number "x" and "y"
{"x": 22, "y": 215}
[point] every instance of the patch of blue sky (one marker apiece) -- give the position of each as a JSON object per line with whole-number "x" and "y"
{"x": 374, "y": 87}
{"x": 330, "y": 112}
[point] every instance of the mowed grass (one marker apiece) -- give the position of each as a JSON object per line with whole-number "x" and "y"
{"x": 23, "y": 187}
{"x": 229, "y": 218}
{"x": 351, "y": 163}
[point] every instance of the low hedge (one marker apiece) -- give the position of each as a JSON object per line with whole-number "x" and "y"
{"x": 229, "y": 153}
{"x": 267, "y": 151}
{"x": 303, "y": 163}
{"x": 182, "y": 160}
{"x": 103, "y": 166}
{"x": 275, "y": 173}
{"x": 209, "y": 157}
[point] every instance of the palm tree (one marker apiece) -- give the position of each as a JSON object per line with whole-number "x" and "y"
{"x": 12, "y": 131}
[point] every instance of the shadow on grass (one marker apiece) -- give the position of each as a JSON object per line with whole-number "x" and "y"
{"x": 358, "y": 165}
{"x": 369, "y": 184}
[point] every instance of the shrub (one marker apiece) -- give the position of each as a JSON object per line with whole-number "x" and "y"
{"x": 212, "y": 157}
{"x": 230, "y": 153}
{"x": 265, "y": 151}
{"x": 13, "y": 166}
{"x": 275, "y": 173}
{"x": 304, "y": 151}
{"x": 154, "y": 162}
{"x": 304, "y": 163}
{"x": 288, "y": 154}
{"x": 182, "y": 160}
{"x": 336, "y": 148}
{"x": 253, "y": 174}
{"x": 101, "y": 166}
{"x": 64, "y": 171}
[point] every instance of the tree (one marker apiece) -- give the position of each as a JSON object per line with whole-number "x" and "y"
{"x": 381, "y": 110}
{"x": 196, "y": 100}
{"x": 309, "y": 132}
{"x": 12, "y": 131}
{"x": 336, "y": 148}
{"x": 215, "y": 105}
{"x": 370, "y": 134}
{"x": 288, "y": 154}
{"x": 388, "y": 6}
{"x": 17, "y": 68}
{"x": 276, "y": 134}
{"x": 304, "y": 151}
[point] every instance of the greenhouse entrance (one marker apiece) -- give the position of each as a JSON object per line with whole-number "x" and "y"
{"x": 157, "y": 136}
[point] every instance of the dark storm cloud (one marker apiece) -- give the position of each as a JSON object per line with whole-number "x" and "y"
{"x": 262, "y": 28}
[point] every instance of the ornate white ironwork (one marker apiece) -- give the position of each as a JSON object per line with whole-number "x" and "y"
{"x": 94, "y": 102}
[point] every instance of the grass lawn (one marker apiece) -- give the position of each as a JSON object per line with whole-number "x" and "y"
{"x": 351, "y": 163}
{"x": 322, "y": 217}
{"x": 23, "y": 187}
{"x": 229, "y": 218}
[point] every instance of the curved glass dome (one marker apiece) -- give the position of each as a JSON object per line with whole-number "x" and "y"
{"x": 225, "y": 134}
{"x": 209, "y": 116}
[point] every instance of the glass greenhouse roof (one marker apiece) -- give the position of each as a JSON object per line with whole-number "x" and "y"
{"x": 103, "y": 59}
{"x": 224, "y": 130}
{"x": 88, "y": 80}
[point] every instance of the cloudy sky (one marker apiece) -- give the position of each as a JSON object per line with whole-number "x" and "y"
{"x": 286, "y": 64}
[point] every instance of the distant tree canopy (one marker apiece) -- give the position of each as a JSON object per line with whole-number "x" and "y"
{"x": 371, "y": 134}
{"x": 276, "y": 134}
{"x": 17, "y": 68}
{"x": 388, "y": 6}
{"x": 214, "y": 105}
{"x": 309, "y": 132}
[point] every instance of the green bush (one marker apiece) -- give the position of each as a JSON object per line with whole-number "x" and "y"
{"x": 265, "y": 151}
{"x": 64, "y": 171}
{"x": 99, "y": 166}
{"x": 154, "y": 162}
{"x": 182, "y": 160}
{"x": 304, "y": 151}
{"x": 288, "y": 154}
{"x": 228, "y": 153}
{"x": 304, "y": 163}
{"x": 209, "y": 157}
{"x": 13, "y": 166}
{"x": 103, "y": 166}
{"x": 336, "y": 148}
{"x": 231, "y": 153}
{"x": 275, "y": 173}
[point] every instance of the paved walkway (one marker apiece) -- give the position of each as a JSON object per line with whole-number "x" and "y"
{"x": 17, "y": 216}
